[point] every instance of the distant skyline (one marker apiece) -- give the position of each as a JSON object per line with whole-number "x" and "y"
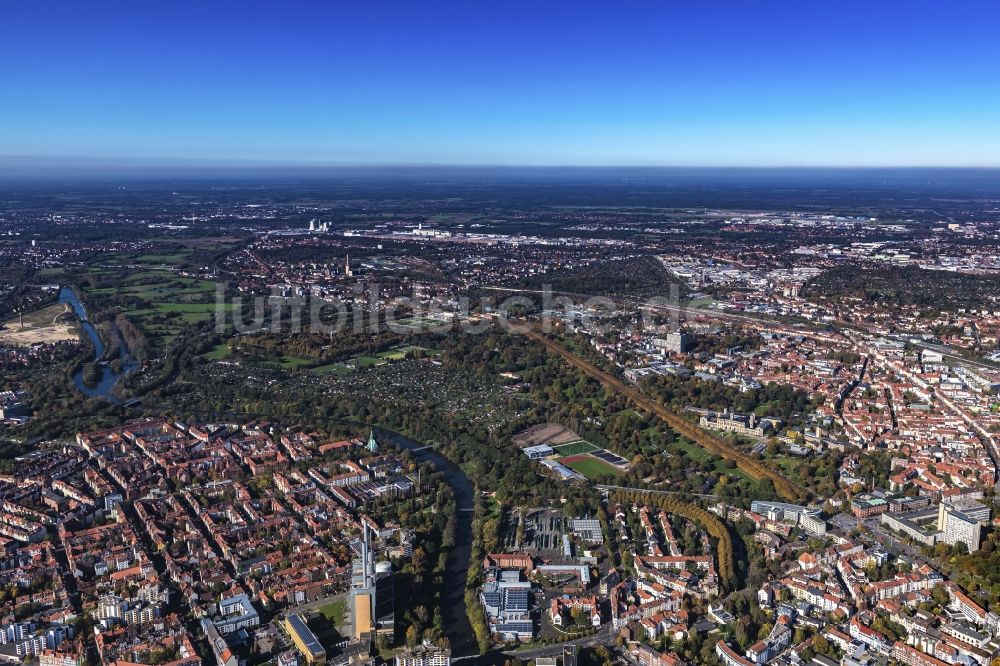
{"x": 233, "y": 84}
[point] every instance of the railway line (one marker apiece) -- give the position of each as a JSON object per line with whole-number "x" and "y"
{"x": 753, "y": 467}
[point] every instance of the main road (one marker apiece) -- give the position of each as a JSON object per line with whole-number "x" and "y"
{"x": 602, "y": 637}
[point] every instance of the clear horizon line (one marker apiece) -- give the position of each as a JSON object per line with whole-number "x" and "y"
{"x": 39, "y": 162}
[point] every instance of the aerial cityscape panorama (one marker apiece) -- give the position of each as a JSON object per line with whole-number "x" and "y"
{"x": 500, "y": 334}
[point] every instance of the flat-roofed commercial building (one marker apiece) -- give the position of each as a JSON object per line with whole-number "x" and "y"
{"x": 304, "y": 639}
{"x": 538, "y": 452}
{"x": 921, "y": 526}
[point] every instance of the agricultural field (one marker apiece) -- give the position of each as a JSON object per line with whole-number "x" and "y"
{"x": 177, "y": 252}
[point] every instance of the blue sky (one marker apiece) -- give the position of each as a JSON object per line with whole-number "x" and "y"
{"x": 548, "y": 82}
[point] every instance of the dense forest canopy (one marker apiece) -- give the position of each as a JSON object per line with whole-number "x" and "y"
{"x": 907, "y": 285}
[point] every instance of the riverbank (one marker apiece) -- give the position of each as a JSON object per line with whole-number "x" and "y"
{"x": 456, "y": 623}
{"x": 103, "y": 387}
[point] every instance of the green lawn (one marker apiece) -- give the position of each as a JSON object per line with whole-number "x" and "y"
{"x": 735, "y": 471}
{"x": 380, "y": 358}
{"x": 788, "y": 465}
{"x": 328, "y": 624}
{"x": 698, "y": 454}
{"x": 334, "y": 612}
{"x": 592, "y": 467}
{"x": 338, "y": 369}
{"x": 692, "y": 451}
{"x": 411, "y": 348}
{"x": 175, "y": 258}
{"x": 421, "y": 323}
{"x": 178, "y": 315}
{"x": 400, "y": 353}
{"x": 391, "y": 355}
{"x": 701, "y": 302}
{"x": 295, "y": 361}
{"x": 156, "y": 284}
{"x": 219, "y": 352}
{"x": 188, "y": 313}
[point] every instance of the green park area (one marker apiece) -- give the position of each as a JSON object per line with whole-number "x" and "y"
{"x": 158, "y": 303}
{"x": 692, "y": 451}
{"x": 381, "y": 358}
{"x": 219, "y": 352}
{"x": 697, "y": 454}
{"x": 172, "y": 302}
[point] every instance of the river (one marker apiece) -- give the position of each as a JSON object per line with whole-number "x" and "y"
{"x": 108, "y": 376}
{"x": 456, "y": 623}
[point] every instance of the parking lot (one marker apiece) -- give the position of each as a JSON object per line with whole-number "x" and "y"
{"x": 543, "y": 530}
